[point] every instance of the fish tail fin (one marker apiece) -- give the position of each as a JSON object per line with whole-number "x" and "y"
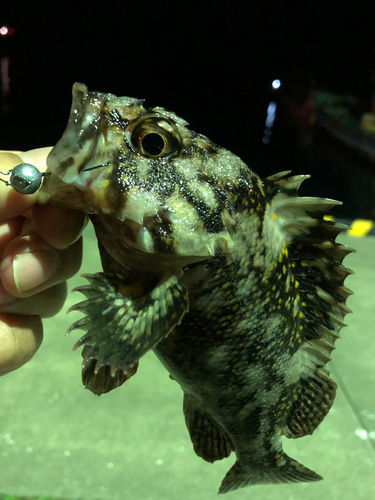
{"x": 242, "y": 475}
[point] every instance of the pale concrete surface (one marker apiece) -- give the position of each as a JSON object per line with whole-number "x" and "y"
{"x": 58, "y": 439}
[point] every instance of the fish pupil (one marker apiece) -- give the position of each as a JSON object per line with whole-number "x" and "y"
{"x": 153, "y": 144}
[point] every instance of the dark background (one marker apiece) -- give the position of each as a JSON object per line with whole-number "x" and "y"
{"x": 211, "y": 63}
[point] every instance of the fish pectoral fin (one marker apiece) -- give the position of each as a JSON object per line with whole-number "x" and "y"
{"x": 209, "y": 440}
{"x": 313, "y": 401}
{"x": 242, "y": 475}
{"x": 121, "y": 329}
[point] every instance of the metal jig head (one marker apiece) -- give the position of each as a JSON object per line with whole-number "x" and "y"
{"x": 24, "y": 178}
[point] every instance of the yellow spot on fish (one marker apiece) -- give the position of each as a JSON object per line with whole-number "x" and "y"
{"x": 274, "y": 217}
{"x": 329, "y": 217}
{"x": 285, "y": 250}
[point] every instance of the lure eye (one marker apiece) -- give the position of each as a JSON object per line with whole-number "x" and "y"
{"x": 154, "y": 137}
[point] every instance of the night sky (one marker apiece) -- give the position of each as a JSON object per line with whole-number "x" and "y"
{"x": 210, "y": 62}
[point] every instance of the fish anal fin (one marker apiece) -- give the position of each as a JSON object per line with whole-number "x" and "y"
{"x": 313, "y": 401}
{"x": 209, "y": 440}
{"x": 240, "y": 475}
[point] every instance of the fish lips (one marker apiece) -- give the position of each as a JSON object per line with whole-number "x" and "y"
{"x": 76, "y": 160}
{"x": 77, "y": 145}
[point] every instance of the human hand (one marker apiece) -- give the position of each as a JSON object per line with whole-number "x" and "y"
{"x": 40, "y": 248}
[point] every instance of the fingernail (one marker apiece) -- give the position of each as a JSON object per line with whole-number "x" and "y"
{"x": 32, "y": 269}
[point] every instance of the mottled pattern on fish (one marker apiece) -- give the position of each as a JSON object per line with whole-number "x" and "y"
{"x": 235, "y": 283}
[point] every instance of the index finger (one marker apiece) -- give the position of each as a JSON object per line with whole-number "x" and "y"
{"x": 36, "y": 157}
{"x": 12, "y": 203}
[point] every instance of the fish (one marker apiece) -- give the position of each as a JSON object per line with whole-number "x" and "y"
{"x": 235, "y": 283}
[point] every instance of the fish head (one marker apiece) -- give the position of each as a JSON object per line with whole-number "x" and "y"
{"x": 91, "y": 168}
{"x": 143, "y": 175}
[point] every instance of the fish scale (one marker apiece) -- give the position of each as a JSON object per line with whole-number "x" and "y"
{"x": 236, "y": 283}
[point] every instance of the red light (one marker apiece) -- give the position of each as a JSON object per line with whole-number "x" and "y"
{"x": 6, "y": 31}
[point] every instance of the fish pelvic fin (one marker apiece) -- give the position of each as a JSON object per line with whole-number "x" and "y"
{"x": 242, "y": 475}
{"x": 121, "y": 329}
{"x": 102, "y": 381}
{"x": 210, "y": 442}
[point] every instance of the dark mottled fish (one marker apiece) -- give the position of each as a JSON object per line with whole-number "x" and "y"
{"x": 235, "y": 283}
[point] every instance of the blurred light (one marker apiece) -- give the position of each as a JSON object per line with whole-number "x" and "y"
{"x": 6, "y": 30}
{"x": 271, "y": 115}
{"x": 276, "y": 84}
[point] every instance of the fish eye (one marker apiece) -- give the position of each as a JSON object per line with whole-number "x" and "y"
{"x": 154, "y": 137}
{"x": 153, "y": 144}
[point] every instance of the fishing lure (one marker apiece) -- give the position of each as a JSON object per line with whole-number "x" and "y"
{"x": 24, "y": 178}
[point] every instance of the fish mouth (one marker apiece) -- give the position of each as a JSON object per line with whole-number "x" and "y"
{"x": 76, "y": 149}
{"x": 73, "y": 164}
{"x": 79, "y": 167}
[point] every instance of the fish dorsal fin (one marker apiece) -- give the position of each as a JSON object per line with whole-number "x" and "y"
{"x": 314, "y": 399}
{"x": 318, "y": 276}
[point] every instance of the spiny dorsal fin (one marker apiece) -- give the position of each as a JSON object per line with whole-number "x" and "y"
{"x": 318, "y": 273}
